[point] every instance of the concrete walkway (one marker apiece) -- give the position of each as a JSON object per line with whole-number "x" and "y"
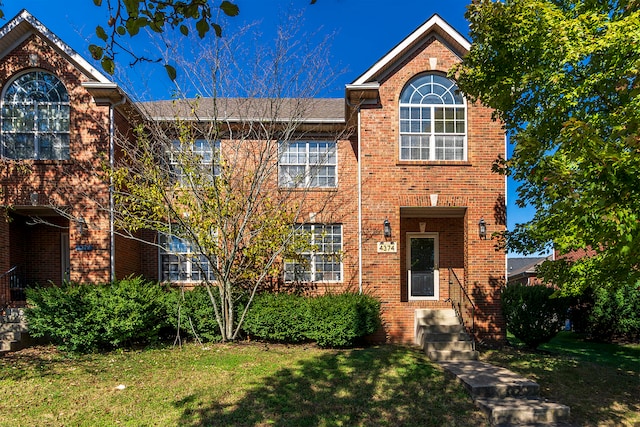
{"x": 508, "y": 398}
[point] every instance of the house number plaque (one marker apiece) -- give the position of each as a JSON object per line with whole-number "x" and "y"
{"x": 387, "y": 247}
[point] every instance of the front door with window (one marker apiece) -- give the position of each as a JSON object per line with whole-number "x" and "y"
{"x": 422, "y": 266}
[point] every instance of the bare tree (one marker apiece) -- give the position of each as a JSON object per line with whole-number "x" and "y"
{"x": 210, "y": 171}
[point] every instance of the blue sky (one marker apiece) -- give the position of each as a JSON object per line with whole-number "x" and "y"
{"x": 364, "y": 30}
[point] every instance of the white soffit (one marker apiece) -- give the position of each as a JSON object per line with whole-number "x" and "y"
{"x": 433, "y": 24}
{"x": 24, "y": 24}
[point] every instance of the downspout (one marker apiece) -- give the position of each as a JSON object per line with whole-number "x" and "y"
{"x": 112, "y": 237}
{"x": 506, "y": 201}
{"x": 359, "y": 208}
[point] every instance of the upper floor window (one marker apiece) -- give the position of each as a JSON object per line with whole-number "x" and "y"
{"x": 308, "y": 164}
{"x": 35, "y": 118}
{"x": 200, "y": 159}
{"x": 432, "y": 120}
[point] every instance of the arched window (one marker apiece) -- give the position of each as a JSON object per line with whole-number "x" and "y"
{"x": 432, "y": 120}
{"x": 35, "y": 118}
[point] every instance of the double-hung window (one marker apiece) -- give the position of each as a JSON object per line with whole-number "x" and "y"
{"x": 200, "y": 158}
{"x": 323, "y": 259}
{"x": 180, "y": 261}
{"x": 35, "y": 118}
{"x": 432, "y": 120}
{"x": 304, "y": 164}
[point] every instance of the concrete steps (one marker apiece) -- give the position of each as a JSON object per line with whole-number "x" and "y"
{"x": 506, "y": 397}
{"x": 13, "y": 331}
{"x": 442, "y": 337}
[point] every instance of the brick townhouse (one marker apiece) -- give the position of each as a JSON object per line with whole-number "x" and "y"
{"x": 415, "y": 199}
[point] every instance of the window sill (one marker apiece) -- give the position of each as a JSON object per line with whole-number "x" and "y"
{"x": 433, "y": 163}
{"x": 41, "y": 161}
{"x": 314, "y": 189}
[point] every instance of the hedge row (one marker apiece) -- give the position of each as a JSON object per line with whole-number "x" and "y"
{"x": 86, "y": 318}
{"x": 329, "y": 320}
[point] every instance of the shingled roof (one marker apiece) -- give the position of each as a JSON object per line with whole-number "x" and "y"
{"x": 308, "y": 110}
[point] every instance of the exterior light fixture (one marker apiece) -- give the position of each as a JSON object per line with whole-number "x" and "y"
{"x": 81, "y": 226}
{"x": 482, "y": 229}
{"x": 386, "y": 226}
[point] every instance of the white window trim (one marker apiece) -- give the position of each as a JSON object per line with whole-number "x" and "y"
{"x": 312, "y": 254}
{"x": 431, "y": 134}
{"x": 162, "y": 251}
{"x": 308, "y": 176}
{"x": 436, "y": 270}
{"x": 36, "y": 132}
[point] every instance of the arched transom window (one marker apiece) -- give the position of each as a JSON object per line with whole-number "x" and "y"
{"x": 432, "y": 120}
{"x": 35, "y": 118}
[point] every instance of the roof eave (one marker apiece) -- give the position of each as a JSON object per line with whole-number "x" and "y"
{"x": 434, "y": 24}
{"x": 26, "y": 24}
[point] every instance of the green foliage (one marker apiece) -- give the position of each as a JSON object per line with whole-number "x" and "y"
{"x": 563, "y": 77}
{"x": 278, "y": 317}
{"x": 532, "y": 313}
{"x": 198, "y": 316}
{"x": 615, "y": 313}
{"x": 86, "y": 318}
{"x": 129, "y": 17}
{"x": 338, "y": 320}
{"x": 329, "y": 320}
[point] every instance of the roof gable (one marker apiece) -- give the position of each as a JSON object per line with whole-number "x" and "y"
{"x": 23, "y": 25}
{"x": 433, "y": 26}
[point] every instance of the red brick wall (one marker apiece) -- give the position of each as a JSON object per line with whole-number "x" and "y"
{"x": 70, "y": 189}
{"x": 390, "y": 183}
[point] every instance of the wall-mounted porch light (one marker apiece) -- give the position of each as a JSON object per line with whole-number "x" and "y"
{"x": 81, "y": 226}
{"x": 386, "y": 226}
{"x": 482, "y": 229}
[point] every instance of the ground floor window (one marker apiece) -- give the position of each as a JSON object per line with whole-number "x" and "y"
{"x": 181, "y": 262}
{"x": 323, "y": 260}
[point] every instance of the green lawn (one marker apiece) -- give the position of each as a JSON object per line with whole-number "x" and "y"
{"x": 232, "y": 385}
{"x": 600, "y": 382}
{"x": 257, "y": 385}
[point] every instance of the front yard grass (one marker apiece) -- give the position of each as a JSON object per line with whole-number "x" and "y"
{"x": 600, "y": 382}
{"x": 258, "y": 385}
{"x": 232, "y": 385}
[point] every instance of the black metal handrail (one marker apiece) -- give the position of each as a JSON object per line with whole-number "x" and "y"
{"x": 5, "y": 284}
{"x": 465, "y": 308}
{"x": 12, "y": 286}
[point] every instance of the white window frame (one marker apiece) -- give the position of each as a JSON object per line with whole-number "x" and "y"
{"x": 430, "y": 122}
{"x": 209, "y": 152}
{"x": 301, "y": 155}
{"x": 309, "y": 269}
{"x": 182, "y": 253}
{"x": 40, "y": 121}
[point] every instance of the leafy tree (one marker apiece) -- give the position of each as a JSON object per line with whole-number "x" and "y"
{"x": 129, "y": 17}
{"x": 175, "y": 179}
{"x": 563, "y": 77}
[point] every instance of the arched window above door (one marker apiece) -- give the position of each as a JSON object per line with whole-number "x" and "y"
{"x": 35, "y": 117}
{"x": 433, "y": 120}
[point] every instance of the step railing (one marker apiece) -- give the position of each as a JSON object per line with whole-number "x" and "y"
{"x": 12, "y": 286}
{"x": 465, "y": 308}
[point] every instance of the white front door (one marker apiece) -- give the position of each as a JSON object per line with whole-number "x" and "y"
{"x": 422, "y": 266}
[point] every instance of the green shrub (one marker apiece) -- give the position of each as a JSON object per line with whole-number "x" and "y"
{"x": 615, "y": 313}
{"x": 532, "y": 314}
{"x": 198, "y": 316}
{"x": 329, "y": 320}
{"x": 85, "y": 318}
{"x": 277, "y": 317}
